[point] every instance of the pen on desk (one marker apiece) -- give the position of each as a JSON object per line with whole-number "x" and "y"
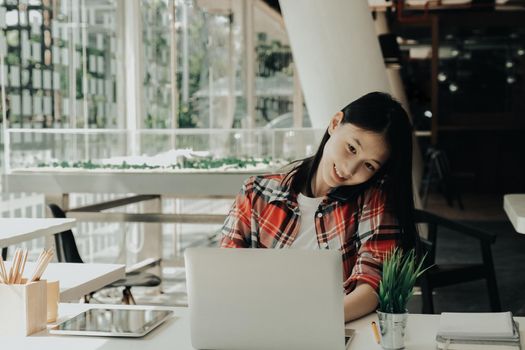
{"x": 376, "y": 333}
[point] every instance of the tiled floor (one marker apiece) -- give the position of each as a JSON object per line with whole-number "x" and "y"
{"x": 477, "y": 207}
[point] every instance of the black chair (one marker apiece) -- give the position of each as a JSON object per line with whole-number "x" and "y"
{"x": 441, "y": 275}
{"x": 437, "y": 171}
{"x": 67, "y": 251}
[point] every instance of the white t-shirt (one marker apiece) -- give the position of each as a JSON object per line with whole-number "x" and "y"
{"x": 307, "y": 237}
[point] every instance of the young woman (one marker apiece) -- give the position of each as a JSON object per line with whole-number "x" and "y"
{"x": 354, "y": 195}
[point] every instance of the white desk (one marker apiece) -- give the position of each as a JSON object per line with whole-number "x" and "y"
{"x": 77, "y": 280}
{"x": 179, "y": 184}
{"x": 175, "y": 334}
{"x": 420, "y": 333}
{"x": 514, "y": 206}
{"x": 17, "y": 230}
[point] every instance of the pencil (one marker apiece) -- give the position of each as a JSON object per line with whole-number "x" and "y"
{"x": 48, "y": 255}
{"x": 376, "y": 333}
{"x": 22, "y": 266}
{"x": 14, "y": 266}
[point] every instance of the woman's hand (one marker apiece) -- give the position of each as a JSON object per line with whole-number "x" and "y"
{"x": 359, "y": 302}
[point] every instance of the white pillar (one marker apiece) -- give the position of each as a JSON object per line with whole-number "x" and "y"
{"x": 185, "y": 54}
{"x": 120, "y": 55}
{"x": 134, "y": 68}
{"x": 298, "y": 110}
{"x": 336, "y": 53}
{"x": 133, "y": 63}
{"x": 83, "y": 24}
{"x": 232, "y": 64}
{"x": 70, "y": 10}
{"x": 173, "y": 67}
{"x": 249, "y": 61}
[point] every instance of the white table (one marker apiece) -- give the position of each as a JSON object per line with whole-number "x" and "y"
{"x": 514, "y": 206}
{"x": 190, "y": 183}
{"x": 17, "y": 230}
{"x": 175, "y": 334}
{"x": 77, "y": 280}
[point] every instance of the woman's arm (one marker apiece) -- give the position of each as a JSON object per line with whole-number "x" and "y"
{"x": 359, "y": 302}
{"x": 236, "y": 231}
{"x": 378, "y": 230}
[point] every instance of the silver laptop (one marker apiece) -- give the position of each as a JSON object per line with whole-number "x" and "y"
{"x": 265, "y": 299}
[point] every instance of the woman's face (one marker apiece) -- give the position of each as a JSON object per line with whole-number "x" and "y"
{"x": 351, "y": 156}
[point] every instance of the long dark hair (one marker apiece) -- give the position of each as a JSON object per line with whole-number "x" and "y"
{"x": 380, "y": 113}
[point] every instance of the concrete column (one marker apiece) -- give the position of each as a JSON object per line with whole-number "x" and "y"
{"x": 70, "y": 9}
{"x": 121, "y": 69}
{"x": 249, "y": 61}
{"x": 336, "y": 53}
{"x": 134, "y": 71}
{"x": 185, "y": 54}
{"x": 298, "y": 109}
{"x": 173, "y": 67}
{"x": 232, "y": 64}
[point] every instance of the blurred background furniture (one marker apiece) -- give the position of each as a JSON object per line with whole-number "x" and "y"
{"x": 78, "y": 280}
{"x": 441, "y": 275}
{"x": 438, "y": 173}
{"x": 514, "y": 206}
{"x": 67, "y": 251}
{"x": 17, "y": 230}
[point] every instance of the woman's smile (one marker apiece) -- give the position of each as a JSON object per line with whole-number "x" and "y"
{"x": 337, "y": 175}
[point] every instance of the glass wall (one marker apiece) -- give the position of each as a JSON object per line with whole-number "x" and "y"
{"x": 60, "y": 63}
{"x": 65, "y": 63}
{"x": 70, "y": 64}
{"x": 210, "y": 65}
{"x": 157, "y": 77}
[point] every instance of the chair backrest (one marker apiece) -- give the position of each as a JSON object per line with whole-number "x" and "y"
{"x": 66, "y": 247}
{"x": 434, "y": 221}
{"x": 441, "y": 164}
{"x": 428, "y": 243}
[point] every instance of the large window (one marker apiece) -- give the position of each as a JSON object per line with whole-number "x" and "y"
{"x": 157, "y": 75}
{"x": 60, "y": 63}
{"x": 70, "y": 63}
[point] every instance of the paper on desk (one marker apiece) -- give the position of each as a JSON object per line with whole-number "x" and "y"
{"x": 490, "y": 325}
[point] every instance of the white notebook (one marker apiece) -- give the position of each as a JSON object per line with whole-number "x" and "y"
{"x": 492, "y": 326}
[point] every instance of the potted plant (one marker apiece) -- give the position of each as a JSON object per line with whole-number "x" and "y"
{"x": 400, "y": 272}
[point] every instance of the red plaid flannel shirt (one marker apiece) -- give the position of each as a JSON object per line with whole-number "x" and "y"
{"x": 265, "y": 214}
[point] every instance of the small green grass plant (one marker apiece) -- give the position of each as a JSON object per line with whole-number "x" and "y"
{"x": 400, "y": 272}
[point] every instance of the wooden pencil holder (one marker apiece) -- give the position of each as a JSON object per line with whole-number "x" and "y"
{"x": 23, "y": 308}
